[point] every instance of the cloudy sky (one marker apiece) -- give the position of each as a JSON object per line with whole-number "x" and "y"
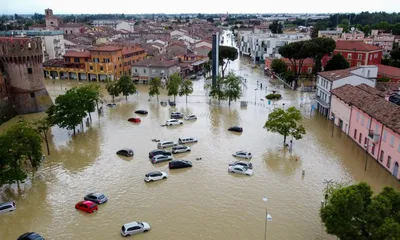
{"x": 196, "y": 6}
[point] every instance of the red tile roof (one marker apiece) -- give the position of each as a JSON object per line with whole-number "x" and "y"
{"x": 77, "y": 54}
{"x": 71, "y": 25}
{"x": 128, "y": 50}
{"x": 388, "y": 71}
{"x": 354, "y": 45}
{"x": 337, "y": 74}
{"x": 377, "y": 107}
{"x": 106, "y": 49}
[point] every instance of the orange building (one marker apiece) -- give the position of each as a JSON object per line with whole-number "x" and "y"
{"x": 98, "y": 64}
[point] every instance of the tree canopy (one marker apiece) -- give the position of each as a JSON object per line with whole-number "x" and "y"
{"x": 113, "y": 89}
{"x": 217, "y": 90}
{"x": 155, "y": 85}
{"x": 285, "y": 123}
{"x": 232, "y": 87}
{"x": 173, "y": 85}
{"x": 353, "y": 213}
{"x": 337, "y": 62}
{"x": 278, "y": 66}
{"x": 126, "y": 86}
{"x": 186, "y": 88}
{"x": 226, "y": 54}
{"x": 276, "y": 27}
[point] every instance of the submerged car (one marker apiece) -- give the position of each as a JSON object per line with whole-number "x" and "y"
{"x": 240, "y": 170}
{"x": 176, "y": 115}
{"x": 97, "y": 198}
{"x": 235, "y": 129}
{"x": 242, "y": 154}
{"x": 87, "y": 206}
{"x": 160, "y": 158}
{"x": 180, "y": 149}
{"x": 172, "y": 104}
{"x": 134, "y": 228}
{"x": 158, "y": 152}
{"x": 242, "y": 163}
{"x": 134, "y": 120}
{"x": 165, "y": 144}
{"x": 171, "y": 122}
{"x": 187, "y": 140}
{"x": 141, "y": 112}
{"x": 155, "y": 176}
{"x": 179, "y": 164}
{"x": 30, "y": 236}
{"x": 127, "y": 152}
{"x": 7, "y": 207}
{"x": 191, "y": 117}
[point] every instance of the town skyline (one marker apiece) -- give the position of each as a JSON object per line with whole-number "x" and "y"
{"x": 159, "y": 7}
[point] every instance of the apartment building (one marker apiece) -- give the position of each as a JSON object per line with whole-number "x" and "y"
{"x": 358, "y": 53}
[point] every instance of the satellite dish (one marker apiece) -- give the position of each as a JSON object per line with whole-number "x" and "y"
{"x": 352, "y": 29}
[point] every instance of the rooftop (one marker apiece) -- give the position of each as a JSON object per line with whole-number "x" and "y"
{"x": 354, "y": 45}
{"x": 388, "y": 70}
{"x": 77, "y": 54}
{"x": 17, "y": 33}
{"x": 377, "y": 107}
{"x": 106, "y": 49}
{"x": 154, "y": 62}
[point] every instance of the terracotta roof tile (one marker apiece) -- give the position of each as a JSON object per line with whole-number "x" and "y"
{"x": 106, "y": 48}
{"x": 77, "y": 54}
{"x": 351, "y": 45}
{"x": 377, "y": 107}
{"x": 336, "y": 74}
{"x": 388, "y": 71}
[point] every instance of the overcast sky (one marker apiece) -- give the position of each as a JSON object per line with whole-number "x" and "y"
{"x": 196, "y": 6}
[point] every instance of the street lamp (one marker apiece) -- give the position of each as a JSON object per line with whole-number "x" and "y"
{"x": 327, "y": 182}
{"x": 255, "y": 95}
{"x": 333, "y": 124}
{"x": 268, "y": 217}
{"x": 366, "y": 153}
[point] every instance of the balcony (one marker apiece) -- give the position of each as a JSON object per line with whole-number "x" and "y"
{"x": 322, "y": 102}
{"x": 373, "y": 136}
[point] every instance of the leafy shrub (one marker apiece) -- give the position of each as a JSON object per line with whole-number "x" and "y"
{"x": 273, "y": 96}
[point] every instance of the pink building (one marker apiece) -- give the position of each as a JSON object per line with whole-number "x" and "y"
{"x": 371, "y": 121}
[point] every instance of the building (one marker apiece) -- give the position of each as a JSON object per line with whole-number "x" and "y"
{"x": 334, "y": 34}
{"x": 98, "y": 64}
{"x": 52, "y": 41}
{"x": 358, "y": 53}
{"x": 355, "y": 35}
{"x": 125, "y": 25}
{"x": 21, "y": 65}
{"x": 306, "y": 68}
{"x": 373, "y": 123}
{"x": 388, "y": 71}
{"x": 329, "y": 80}
{"x": 56, "y": 23}
{"x": 156, "y": 67}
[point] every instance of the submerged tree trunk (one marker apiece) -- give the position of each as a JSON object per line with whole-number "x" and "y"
{"x": 74, "y": 130}
{"x": 284, "y": 139}
{"x": 186, "y": 98}
{"x": 97, "y": 105}
{"x": 113, "y": 98}
{"x": 126, "y": 98}
{"x": 90, "y": 116}
{"x": 47, "y": 145}
{"x": 174, "y": 98}
{"x": 157, "y": 97}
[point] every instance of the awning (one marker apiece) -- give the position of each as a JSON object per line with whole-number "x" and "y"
{"x": 197, "y": 63}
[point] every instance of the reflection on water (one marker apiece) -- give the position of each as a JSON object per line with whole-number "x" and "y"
{"x": 202, "y": 202}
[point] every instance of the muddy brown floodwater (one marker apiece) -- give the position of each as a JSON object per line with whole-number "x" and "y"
{"x": 203, "y": 202}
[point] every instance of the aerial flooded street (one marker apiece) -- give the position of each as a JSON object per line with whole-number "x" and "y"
{"x": 202, "y": 202}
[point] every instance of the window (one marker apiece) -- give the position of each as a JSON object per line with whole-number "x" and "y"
{"x": 32, "y": 95}
{"x": 76, "y": 60}
{"x": 71, "y": 32}
{"x": 370, "y": 57}
{"x": 376, "y": 128}
{"x": 398, "y": 149}
{"x": 358, "y": 116}
{"x": 349, "y": 56}
{"x": 359, "y": 57}
{"x": 391, "y": 140}
{"x": 91, "y": 67}
{"x": 355, "y": 133}
{"x": 376, "y": 55}
{"x": 309, "y": 70}
{"x": 358, "y": 64}
{"x": 388, "y": 161}
{"x": 373, "y": 149}
{"x": 135, "y": 70}
{"x": 101, "y": 68}
{"x": 144, "y": 70}
{"x": 359, "y": 138}
{"x": 365, "y": 142}
{"x": 30, "y": 71}
{"x": 51, "y": 22}
{"x": 384, "y": 135}
{"x": 362, "y": 120}
{"x": 368, "y": 123}
{"x": 382, "y": 155}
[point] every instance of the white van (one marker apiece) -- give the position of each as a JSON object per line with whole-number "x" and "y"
{"x": 165, "y": 144}
{"x": 7, "y": 207}
{"x": 187, "y": 140}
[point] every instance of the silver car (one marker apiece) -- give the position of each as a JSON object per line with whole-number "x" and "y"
{"x": 134, "y": 228}
{"x": 242, "y": 163}
{"x": 160, "y": 158}
{"x": 240, "y": 170}
{"x": 242, "y": 154}
{"x": 180, "y": 149}
{"x": 7, "y": 207}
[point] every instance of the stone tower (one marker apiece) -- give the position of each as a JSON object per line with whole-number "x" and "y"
{"x": 51, "y": 20}
{"x": 21, "y": 63}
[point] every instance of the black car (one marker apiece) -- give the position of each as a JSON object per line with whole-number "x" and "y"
{"x": 158, "y": 152}
{"x": 141, "y": 112}
{"x": 125, "y": 152}
{"x": 97, "y": 198}
{"x": 175, "y": 164}
{"x": 30, "y": 236}
{"x": 235, "y": 129}
{"x": 172, "y": 104}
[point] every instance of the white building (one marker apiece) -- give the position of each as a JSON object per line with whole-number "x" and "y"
{"x": 126, "y": 25}
{"x": 52, "y": 41}
{"x": 329, "y": 80}
{"x": 261, "y": 46}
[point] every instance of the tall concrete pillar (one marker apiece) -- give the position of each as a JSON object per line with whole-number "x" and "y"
{"x": 215, "y": 57}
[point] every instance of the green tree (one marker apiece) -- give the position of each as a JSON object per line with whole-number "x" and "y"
{"x": 337, "y": 62}
{"x": 225, "y": 54}
{"x": 278, "y": 66}
{"x": 173, "y": 85}
{"x": 43, "y": 126}
{"x": 113, "y": 89}
{"x": 186, "y": 88}
{"x": 296, "y": 52}
{"x": 353, "y": 213}
{"x": 285, "y": 123}
{"x": 383, "y": 79}
{"x": 232, "y": 87}
{"x": 89, "y": 95}
{"x": 318, "y": 48}
{"x": 155, "y": 85}
{"x": 217, "y": 90}
{"x": 276, "y": 27}
{"x": 395, "y": 54}
{"x": 126, "y": 86}
{"x": 68, "y": 110}
{"x": 366, "y": 30}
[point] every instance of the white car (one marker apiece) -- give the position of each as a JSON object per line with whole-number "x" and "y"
{"x": 180, "y": 149}
{"x": 171, "y": 122}
{"x": 242, "y": 163}
{"x": 7, "y": 207}
{"x": 242, "y": 154}
{"x": 134, "y": 228}
{"x": 160, "y": 158}
{"x": 187, "y": 140}
{"x": 165, "y": 144}
{"x": 240, "y": 170}
{"x": 191, "y": 117}
{"x": 155, "y": 176}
